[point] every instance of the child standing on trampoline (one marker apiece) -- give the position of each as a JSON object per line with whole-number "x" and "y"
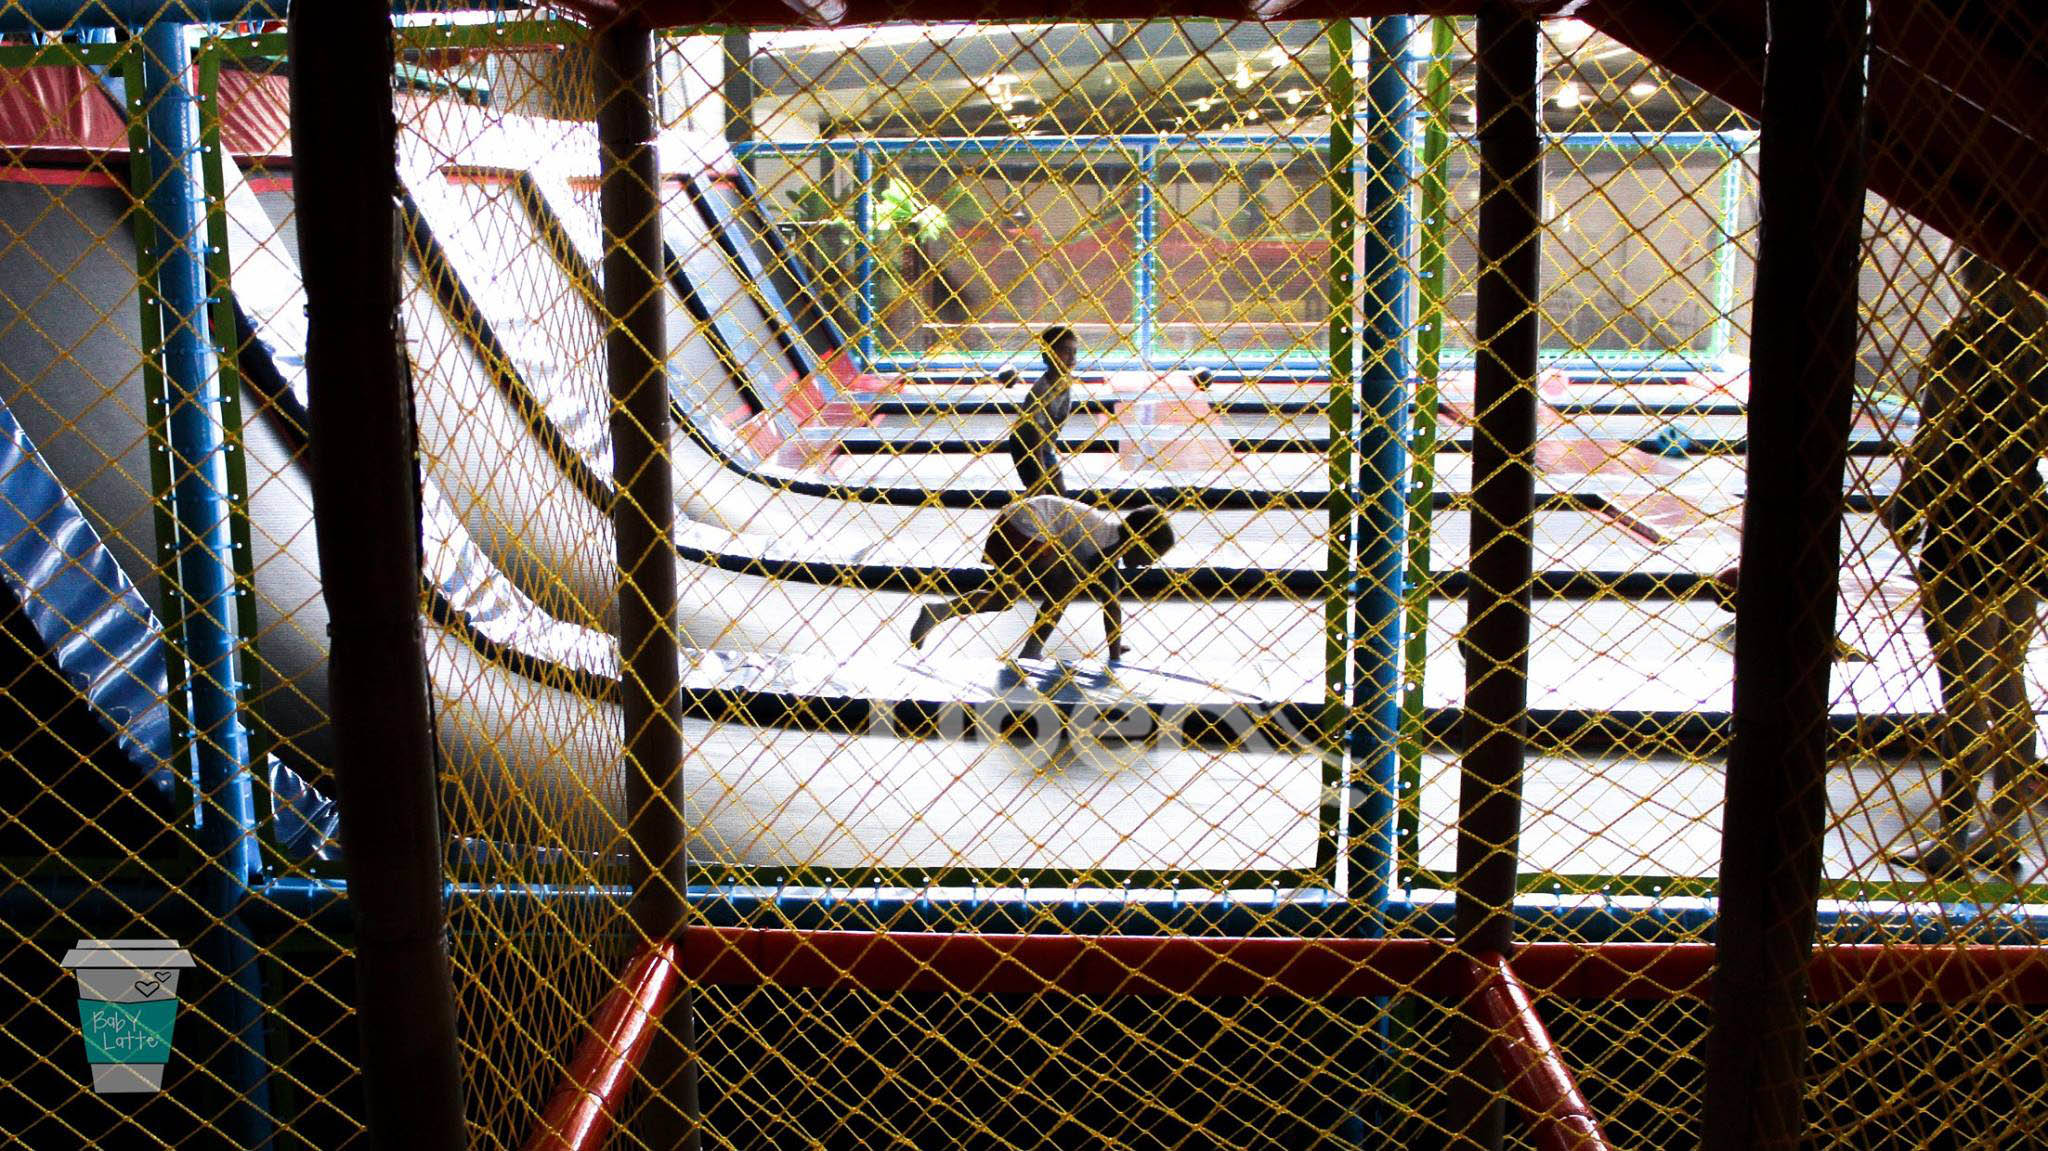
{"x": 1034, "y": 440}
{"x": 1971, "y": 492}
{"x": 1057, "y": 551}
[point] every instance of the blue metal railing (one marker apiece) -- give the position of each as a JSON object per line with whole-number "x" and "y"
{"x": 1145, "y": 298}
{"x": 1589, "y": 917}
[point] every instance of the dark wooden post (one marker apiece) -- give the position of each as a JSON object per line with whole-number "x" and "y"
{"x": 643, "y": 516}
{"x": 740, "y": 90}
{"x": 1503, "y": 516}
{"x": 1802, "y": 373}
{"x": 366, "y": 514}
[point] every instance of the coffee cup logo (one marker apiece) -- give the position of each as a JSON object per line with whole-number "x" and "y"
{"x": 127, "y": 1004}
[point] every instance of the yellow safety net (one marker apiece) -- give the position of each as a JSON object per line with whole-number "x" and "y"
{"x": 1170, "y": 324}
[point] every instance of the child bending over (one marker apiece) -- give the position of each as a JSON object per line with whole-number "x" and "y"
{"x": 1056, "y": 550}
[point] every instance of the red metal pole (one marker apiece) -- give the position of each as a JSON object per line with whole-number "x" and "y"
{"x": 583, "y": 1111}
{"x": 1496, "y": 639}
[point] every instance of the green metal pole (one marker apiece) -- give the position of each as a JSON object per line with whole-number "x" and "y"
{"x": 262, "y": 737}
{"x": 1338, "y": 614}
{"x": 1724, "y": 255}
{"x": 1429, "y": 344}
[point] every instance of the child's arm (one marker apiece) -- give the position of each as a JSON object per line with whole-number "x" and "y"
{"x": 1113, "y": 626}
{"x": 1054, "y": 590}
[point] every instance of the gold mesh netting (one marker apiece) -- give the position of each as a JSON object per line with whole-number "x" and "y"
{"x": 1263, "y": 240}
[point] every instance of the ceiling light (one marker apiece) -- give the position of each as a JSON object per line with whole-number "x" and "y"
{"x": 1569, "y": 33}
{"x": 1642, "y": 89}
{"x": 1006, "y": 90}
{"x": 1294, "y": 95}
{"x": 1568, "y": 95}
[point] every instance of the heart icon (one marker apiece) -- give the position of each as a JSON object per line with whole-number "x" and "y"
{"x": 163, "y": 977}
{"x": 147, "y": 986}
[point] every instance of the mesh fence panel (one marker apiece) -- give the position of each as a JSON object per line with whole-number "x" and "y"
{"x": 1240, "y": 487}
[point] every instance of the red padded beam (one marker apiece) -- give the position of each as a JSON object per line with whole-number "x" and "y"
{"x": 1075, "y": 965}
{"x": 772, "y": 13}
{"x": 1942, "y": 157}
{"x": 583, "y": 1110}
{"x": 1193, "y": 965}
{"x": 1974, "y": 177}
{"x": 1537, "y": 1078}
{"x": 1970, "y": 49}
{"x": 1934, "y": 973}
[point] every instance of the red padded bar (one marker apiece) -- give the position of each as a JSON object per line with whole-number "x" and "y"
{"x": 1536, "y": 1076}
{"x": 1191, "y": 965}
{"x": 584, "y": 1109}
{"x": 772, "y": 13}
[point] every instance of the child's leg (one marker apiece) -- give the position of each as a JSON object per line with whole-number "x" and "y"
{"x": 1955, "y": 619}
{"x": 1055, "y": 479}
{"x": 995, "y": 597}
{"x": 1030, "y": 467}
{"x": 2015, "y": 771}
{"x": 1978, "y": 645}
{"x": 1956, "y": 630}
{"x": 1040, "y": 474}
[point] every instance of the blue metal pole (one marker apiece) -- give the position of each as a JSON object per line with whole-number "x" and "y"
{"x": 1382, "y": 453}
{"x": 204, "y": 569}
{"x": 1381, "y": 450}
{"x": 1145, "y": 294}
{"x": 864, "y": 252}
